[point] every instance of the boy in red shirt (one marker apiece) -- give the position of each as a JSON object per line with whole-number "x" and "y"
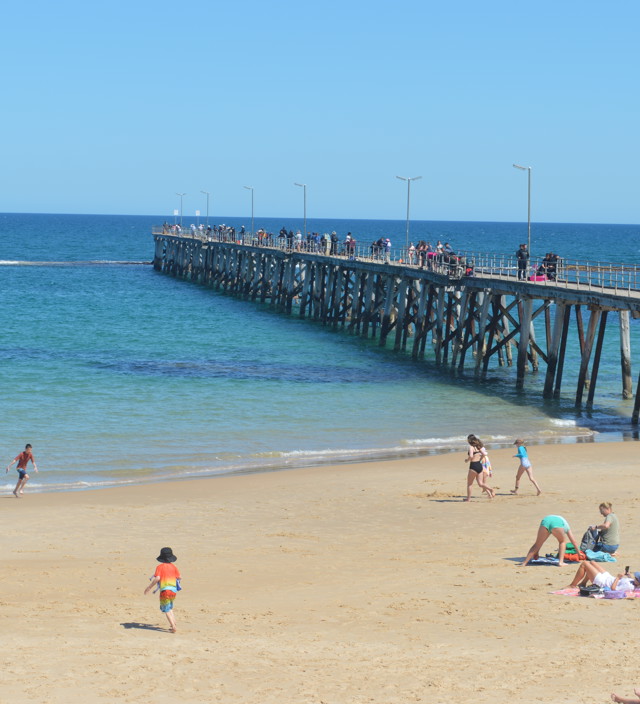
{"x": 167, "y": 576}
{"x": 23, "y": 460}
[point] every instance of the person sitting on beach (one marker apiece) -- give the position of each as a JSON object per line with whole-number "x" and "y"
{"x": 594, "y": 573}
{"x": 627, "y": 700}
{"x": 475, "y": 455}
{"x": 559, "y": 528}
{"x": 609, "y": 538}
{"x": 525, "y": 466}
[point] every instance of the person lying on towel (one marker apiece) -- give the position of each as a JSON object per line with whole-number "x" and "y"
{"x": 592, "y": 572}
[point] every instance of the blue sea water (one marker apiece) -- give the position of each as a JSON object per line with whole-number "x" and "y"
{"x": 119, "y": 374}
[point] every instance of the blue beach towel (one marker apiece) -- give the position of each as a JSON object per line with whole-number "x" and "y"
{"x": 599, "y": 556}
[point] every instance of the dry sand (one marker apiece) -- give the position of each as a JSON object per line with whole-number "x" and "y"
{"x": 337, "y": 585}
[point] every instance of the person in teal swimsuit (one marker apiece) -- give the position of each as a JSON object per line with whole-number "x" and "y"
{"x": 525, "y": 466}
{"x": 559, "y": 528}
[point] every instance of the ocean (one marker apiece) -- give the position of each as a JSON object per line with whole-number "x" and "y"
{"x": 118, "y": 374}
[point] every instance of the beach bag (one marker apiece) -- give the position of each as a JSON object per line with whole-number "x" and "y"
{"x": 589, "y": 540}
{"x": 591, "y": 590}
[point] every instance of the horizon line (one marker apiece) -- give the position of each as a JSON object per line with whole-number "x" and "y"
{"x": 297, "y": 217}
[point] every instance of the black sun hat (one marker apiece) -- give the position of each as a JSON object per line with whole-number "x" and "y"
{"x": 166, "y": 555}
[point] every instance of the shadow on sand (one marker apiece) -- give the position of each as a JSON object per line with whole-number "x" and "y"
{"x": 145, "y": 627}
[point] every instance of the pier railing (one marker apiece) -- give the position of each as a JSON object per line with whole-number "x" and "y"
{"x": 564, "y": 273}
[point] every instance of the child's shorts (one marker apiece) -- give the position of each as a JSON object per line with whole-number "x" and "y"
{"x": 167, "y": 597}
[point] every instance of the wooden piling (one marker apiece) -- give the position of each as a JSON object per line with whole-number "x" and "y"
{"x": 625, "y": 354}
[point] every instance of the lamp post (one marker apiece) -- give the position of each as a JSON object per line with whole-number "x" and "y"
{"x": 181, "y": 197}
{"x": 408, "y": 180}
{"x": 207, "y": 194}
{"x": 528, "y": 170}
{"x": 250, "y": 188}
{"x": 304, "y": 187}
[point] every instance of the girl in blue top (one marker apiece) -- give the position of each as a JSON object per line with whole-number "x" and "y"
{"x": 525, "y": 466}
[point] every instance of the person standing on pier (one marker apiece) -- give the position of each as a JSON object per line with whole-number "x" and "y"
{"x": 522, "y": 255}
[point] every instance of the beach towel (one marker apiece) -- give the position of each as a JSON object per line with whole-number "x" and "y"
{"x": 608, "y": 594}
{"x": 548, "y": 560}
{"x": 599, "y": 556}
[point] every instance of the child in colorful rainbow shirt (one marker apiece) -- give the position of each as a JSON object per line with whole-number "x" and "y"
{"x": 167, "y": 577}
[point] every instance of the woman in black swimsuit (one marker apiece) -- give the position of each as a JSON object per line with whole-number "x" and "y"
{"x": 474, "y": 458}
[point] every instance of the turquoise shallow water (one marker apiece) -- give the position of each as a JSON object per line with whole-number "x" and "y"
{"x": 116, "y": 373}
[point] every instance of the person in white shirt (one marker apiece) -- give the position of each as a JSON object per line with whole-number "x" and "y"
{"x": 592, "y": 572}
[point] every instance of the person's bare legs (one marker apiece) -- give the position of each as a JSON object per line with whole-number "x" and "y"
{"x": 529, "y": 471}
{"x": 20, "y": 486}
{"x": 564, "y": 538}
{"x": 534, "y": 550}
{"x": 561, "y": 537}
{"x": 483, "y": 486}
{"x": 23, "y": 481}
{"x": 172, "y": 620}
{"x": 586, "y": 573}
{"x": 626, "y": 700}
{"x": 518, "y": 475}
{"x": 471, "y": 477}
{"x": 580, "y": 579}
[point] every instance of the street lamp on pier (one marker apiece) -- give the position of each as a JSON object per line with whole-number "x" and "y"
{"x": 304, "y": 188}
{"x": 181, "y": 197}
{"x": 528, "y": 170}
{"x": 408, "y": 180}
{"x": 207, "y": 194}
{"x": 250, "y": 188}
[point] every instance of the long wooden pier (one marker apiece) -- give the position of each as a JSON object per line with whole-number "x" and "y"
{"x": 460, "y": 321}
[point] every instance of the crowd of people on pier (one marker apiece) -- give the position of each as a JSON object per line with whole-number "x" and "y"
{"x": 440, "y": 257}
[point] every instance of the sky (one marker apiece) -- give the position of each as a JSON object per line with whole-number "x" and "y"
{"x": 116, "y": 107}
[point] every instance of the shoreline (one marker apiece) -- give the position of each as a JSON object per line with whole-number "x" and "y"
{"x": 340, "y": 584}
{"x": 328, "y": 459}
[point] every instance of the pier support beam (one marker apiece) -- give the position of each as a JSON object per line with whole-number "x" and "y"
{"x": 596, "y": 360}
{"x": 526, "y": 311}
{"x": 594, "y": 319}
{"x": 625, "y": 355}
{"x": 554, "y": 345}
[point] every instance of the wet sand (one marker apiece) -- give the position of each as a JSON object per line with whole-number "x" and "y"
{"x": 335, "y": 585}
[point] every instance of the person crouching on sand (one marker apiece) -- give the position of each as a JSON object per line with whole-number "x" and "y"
{"x": 474, "y": 458}
{"x": 167, "y": 576}
{"x": 23, "y": 460}
{"x": 525, "y": 466}
{"x": 559, "y": 528}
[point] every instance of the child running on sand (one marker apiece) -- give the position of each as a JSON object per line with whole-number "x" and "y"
{"x": 23, "y": 460}
{"x": 167, "y": 576}
{"x": 627, "y": 700}
{"x": 525, "y": 466}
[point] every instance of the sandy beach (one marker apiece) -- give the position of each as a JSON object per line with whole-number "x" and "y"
{"x": 333, "y": 585}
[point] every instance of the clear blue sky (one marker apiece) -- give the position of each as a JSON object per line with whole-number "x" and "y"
{"x": 113, "y": 107}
